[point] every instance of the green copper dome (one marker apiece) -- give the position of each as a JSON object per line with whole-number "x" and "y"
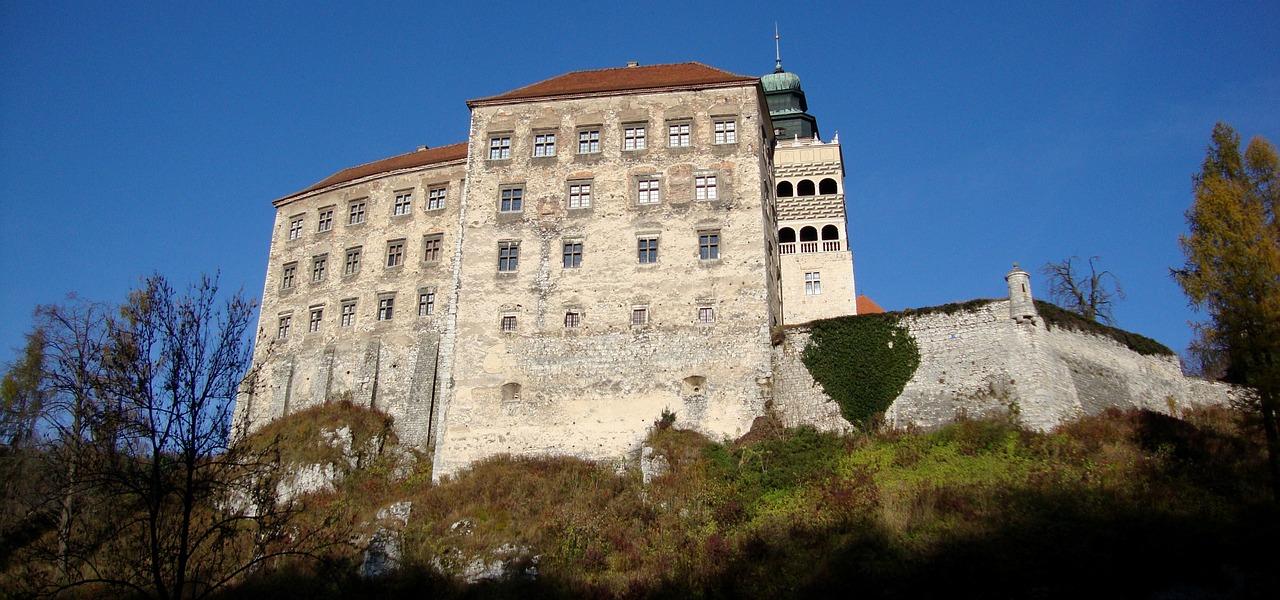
{"x": 780, "y": 81}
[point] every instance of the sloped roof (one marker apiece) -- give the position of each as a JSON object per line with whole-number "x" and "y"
{"x": 408, "y": 160}
{"x": 621, "y": 79}
{"x": 867, "y": 306}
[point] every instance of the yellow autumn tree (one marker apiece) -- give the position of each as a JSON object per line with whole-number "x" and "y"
{"x": 1232, "y": 273}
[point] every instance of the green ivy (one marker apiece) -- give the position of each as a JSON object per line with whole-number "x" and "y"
{"x": 862, "y": 362}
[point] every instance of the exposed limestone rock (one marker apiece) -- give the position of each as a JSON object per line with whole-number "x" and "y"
{"x": 382, "y": 557}
{"x": 504, "y": 563}
{"x": 652, "y": 466}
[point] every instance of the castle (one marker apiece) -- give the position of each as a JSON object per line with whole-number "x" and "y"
{"x": 607, "y": 245}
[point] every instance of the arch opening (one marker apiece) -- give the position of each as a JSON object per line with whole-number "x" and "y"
{"x": 804, "y": 188}
{"x": 785, "y": 189}
{"x": 828, "y": 186}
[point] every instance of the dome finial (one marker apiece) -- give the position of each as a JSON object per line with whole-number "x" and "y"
{"x": 777, "y": 50}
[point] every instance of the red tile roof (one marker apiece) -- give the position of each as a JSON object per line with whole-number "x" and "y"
{"x": 690, "y": 74}
{"x": 407, "y": 160}
{"x": 867, "y": 306}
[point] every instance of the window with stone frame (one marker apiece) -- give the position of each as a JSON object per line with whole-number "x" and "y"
{"x": 812, "y": 283}
{"x": 649, "y": 190}
{"x": 647, "y": 249}
{"x": 395, "y": 253}
{"x": 426, "y": 303}
{"x": 295, "y": 228}
{"x": 355, "y": 212}
{"x": 403, "y": 203}
{"x": 726, "y": 131}
{"x": 633, "y": 137}
{"x": 705, "y": 187}
{"x": 511, "y": 199}
{"x": 706, "y": 314}
{"x": 544, "y": 144}
{"x": 508, "y": 256}
{"x": 317, "y": 318}
{"x": 639, "y": 316}
{"x": 572, "y": 319}
{"x": 589, "y": 140}
{"x": 508, "y": 323}
{"x": 325, "y": 220}
{"x": 431, "y": 246}
{"x": 319, "y": 267}
{"x": 386, "y": 307}
{"x": 351, "y": 264}
{"x": 572, "y": 254}
{"x": 348, "y": 317}
{"x": 500, "y": 147}
{"x": 435, "y": 198}
{"x": 580, "y": 194}
{"x": 282, "y": 326}
{"x": 709, "y": 245}
{"x": 678, "y": 134}
{"x": 289, "y": 276}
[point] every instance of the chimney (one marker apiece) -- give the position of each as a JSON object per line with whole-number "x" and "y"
{"x": 632, "y": 63}
{"x": 423, "y": 147}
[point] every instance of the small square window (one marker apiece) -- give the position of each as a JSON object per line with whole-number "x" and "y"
{"x": 317, "y": 317}
{"x": 319, "y": 267}
{"x": 726, "y": 132}
{"x": 633, "y": 137}
{"x": 348, "y": 313}
{"x": 325, "y": 221}
{"x": 588, "y": 141}
{"x": 355, "y": 213}
{"x": 351, "y": 265}
{"x": 295, "y": 228}
{"x": 706, "y": 314}
{"x": 395, "y": 253}
{"x": 282, "y": 330}
{"x": 386, "y": 306}
{"x": 499, "y": 147}
{"x": 812, "y": 283}
{"x": 511, "y": 200}
{"x": 704, "y": 187}
{"x": 709, "y": 245}
{"x": 508, "y": 323}
{"x": 639, "y": 315}
{"x": 508, "y": 256}
{"x": 426, "y": 303}
{"x": 649, "y": 190}
{"x": 544, "y": 144}
{"x": 403, "y": 203}
{"x": 580, "y": 195}
{"x": 572, "y": 319}
{"x": 572, "y": 255}
{"x": 678, "y": 135}
{"x": 647, "y": 250}
{"x": 289, "y": 276}
{"x": 431, "y": 247}
{"x": 435, "y": 199}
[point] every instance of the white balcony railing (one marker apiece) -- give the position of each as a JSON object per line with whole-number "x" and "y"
{"x": 808, "y": 247}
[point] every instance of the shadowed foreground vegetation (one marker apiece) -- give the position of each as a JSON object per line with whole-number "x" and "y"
{"x": 1133, "y": 504}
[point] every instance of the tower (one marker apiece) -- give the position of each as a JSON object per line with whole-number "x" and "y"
{"x": 1021, "y": 307}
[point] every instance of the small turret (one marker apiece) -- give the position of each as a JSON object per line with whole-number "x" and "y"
{"x": 1021, "y": 308}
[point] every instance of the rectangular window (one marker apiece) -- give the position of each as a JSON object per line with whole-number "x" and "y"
{"x": 499, "y": 147}
{"x": 647, "y": 249}
{"x": 544, "y": 144}
{"x": 319, "y": 267}
{"x": 386, "y": 306}
{"x": 295, "y": 228}
{"x": 325, "y": 220}
{"x": 509, "y": 323}
{"x": 633, "y": 137}
{"x": 348, "y": 313}
{"x": 403, "y": 204}
{"x": 508, "y": 256}
{"x": 289, "y": 277}
{"x": 426, "y": 303}
{"x": 649, "y": 190}
{"x": 431, "y": 247}
{"x": 709, "y": 245}
{"x": 435, "y": 199}
{"x": 572, "y": 319}
{"x": 572, "y": 255}
{"x": 580, "y": 195}
{"x": 511, "y": 200}
{"x": 395, "y": 253}
{"x": 639, "y": 315}
{"x": 355, "y": 215}
{"x": 706, "y": 314}
{"x": 351, "y": 265}
{"x": 317, "y": 317}
{"x": 704, "y": 187}
{"x": 282, "y": 330}
{"x": 726, "y": 132}
{"x": 678, "y": 135}
{"x": 588, "y": 141}
{"x": 812, "y": 283}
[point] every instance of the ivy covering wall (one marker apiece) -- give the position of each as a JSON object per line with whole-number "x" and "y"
{"x": 862, "y": 362}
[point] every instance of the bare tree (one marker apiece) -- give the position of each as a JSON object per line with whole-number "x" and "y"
{"x": 1091, "y": 295}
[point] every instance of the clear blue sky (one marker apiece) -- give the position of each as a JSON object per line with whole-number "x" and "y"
{"x": 141, "y": 137}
